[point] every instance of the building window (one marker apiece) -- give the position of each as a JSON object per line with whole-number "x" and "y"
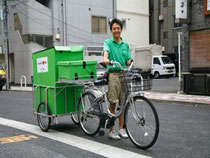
{"x": 206, "y": 7}
{"x": 177, "y": 25}
{"x": 124, "y": 23}
{"x": 165, "y": 35}
{"x": 99, "y": 24}
{"x": 165, "y": 3}
{"x": 94, "y": 50}
{"x": 46, "y": 3}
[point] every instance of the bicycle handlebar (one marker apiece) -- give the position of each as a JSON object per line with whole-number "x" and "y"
{"x": 124, "y": 69}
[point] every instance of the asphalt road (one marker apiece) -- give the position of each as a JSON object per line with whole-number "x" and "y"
{"x": 184, "y": 131}
{"x": 166, "y": 85}
{"x": 39, "y": 147}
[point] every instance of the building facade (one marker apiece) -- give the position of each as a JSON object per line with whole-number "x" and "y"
{"x": 196, "y": 48}
{"x": 163, "y": 27}
{"x": 35, "y": 25}
{"x": 195, "y": 40}
{"x": 135, "y": 16}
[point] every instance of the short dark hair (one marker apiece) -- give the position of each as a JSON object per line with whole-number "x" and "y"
{"x": 116, "y": 21}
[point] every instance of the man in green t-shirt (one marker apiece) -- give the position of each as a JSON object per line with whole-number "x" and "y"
{"x": 116, "y": 49}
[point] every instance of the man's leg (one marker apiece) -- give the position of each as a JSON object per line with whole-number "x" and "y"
{"x": 121, "y": 121}
{"x": 112, "y": 110}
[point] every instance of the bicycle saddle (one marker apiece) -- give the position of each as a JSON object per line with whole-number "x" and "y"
{"x": 101, "y": 82}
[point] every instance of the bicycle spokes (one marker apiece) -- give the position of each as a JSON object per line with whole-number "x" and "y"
{"x": 142, "y": 123}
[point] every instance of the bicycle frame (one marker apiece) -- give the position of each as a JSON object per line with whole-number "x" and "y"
{"x": 102, "y": 98}
{"x": 133, "y": 106}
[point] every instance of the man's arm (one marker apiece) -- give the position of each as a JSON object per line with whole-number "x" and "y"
{"x": 106, "y": 58}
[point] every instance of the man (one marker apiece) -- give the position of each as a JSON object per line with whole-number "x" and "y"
{"x": 116, "y": 49}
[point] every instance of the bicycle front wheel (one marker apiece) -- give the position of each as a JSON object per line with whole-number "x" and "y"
{"x": 141, "y": 121}
{"x": 89, "y": 114}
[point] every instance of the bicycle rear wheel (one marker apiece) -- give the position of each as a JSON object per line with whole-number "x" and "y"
{"x": 141, "y": 121}
{"x": 89, "y": 114}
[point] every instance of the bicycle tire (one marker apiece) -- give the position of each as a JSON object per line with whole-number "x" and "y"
{"x": 89, "y": 114}
{"x": 75, "y": 119}
{"x": 142, "y": 124}
{"x": 43, "y": 121}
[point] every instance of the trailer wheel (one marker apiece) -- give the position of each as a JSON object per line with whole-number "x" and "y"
{"x": 43, "y": 118}
{"x": 75, "y": 118}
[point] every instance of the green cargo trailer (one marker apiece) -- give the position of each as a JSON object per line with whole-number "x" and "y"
{"x": 53, "y": 96}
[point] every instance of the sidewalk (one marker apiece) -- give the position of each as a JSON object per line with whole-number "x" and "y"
{"x": 175, "y": 97}
{"x": 172, "y": 97}
{"x": 16, "y": 88}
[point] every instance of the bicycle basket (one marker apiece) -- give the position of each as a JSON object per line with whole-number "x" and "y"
{"x": 134, "y": 83}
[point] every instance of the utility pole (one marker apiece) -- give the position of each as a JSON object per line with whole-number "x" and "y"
{"x": 179, "y": 52}
{"x": 64, "y": 23}
{"x": 6, "y": 42}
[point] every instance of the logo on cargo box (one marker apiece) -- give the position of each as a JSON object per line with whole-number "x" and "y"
{"x": 42, "y": 65}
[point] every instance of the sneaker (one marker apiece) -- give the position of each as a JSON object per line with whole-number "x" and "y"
{"x": 114, "y": 135}
{"x": 123, "y": 133}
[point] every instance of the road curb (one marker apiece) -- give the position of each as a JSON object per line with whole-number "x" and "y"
{"x": 174, "y": 97}
{"x": 177, "y": 101}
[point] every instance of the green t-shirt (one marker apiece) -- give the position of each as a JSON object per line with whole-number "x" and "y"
{"x": 119, "y": 52}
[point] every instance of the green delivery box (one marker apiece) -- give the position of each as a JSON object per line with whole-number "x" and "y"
{"x": 45, "y": 67}
{"x": 77, "y": 70}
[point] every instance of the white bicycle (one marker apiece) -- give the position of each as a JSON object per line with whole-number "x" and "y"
{"x": 140, "y": 116}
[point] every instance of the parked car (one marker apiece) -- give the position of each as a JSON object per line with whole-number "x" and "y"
{"x": 101, "y": 70}
{"x": 2, "y": 77}
{"x": 162, "y": 66}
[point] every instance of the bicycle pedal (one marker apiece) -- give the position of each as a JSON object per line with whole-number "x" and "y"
{"x": 101, "y": 133}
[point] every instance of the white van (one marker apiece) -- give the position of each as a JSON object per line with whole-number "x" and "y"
{"x": 162, "y": 66}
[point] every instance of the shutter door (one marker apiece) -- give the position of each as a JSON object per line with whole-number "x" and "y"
{"x": 200, "y": 49}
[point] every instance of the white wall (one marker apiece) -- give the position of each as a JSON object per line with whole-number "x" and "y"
{"x": 23, "y": 58}
{"x": 40, "y": 19}
{"x": 136, "y": 14}
{"x": 33, "y": 22}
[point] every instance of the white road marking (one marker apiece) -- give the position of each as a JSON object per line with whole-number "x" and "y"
{"x": 85, "y": 144}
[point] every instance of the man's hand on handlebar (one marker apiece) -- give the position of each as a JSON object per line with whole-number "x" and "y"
{"x": 122, "y": 68}
{"x": 106, "y": 62}
{"x": 128, "y": 63}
